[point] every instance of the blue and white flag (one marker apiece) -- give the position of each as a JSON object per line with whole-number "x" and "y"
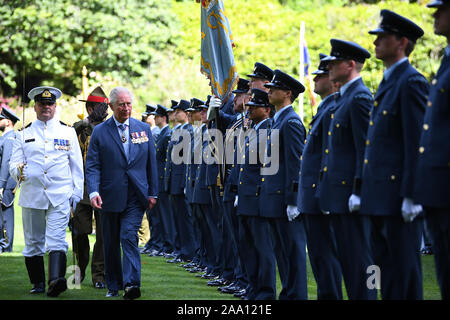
{"x": 217, "y": 59}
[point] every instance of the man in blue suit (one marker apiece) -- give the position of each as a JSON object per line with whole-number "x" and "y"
{"x": 390, "y": 160}
{"x": 432, "y": 183}
{"x": 342, "y": 166}
{"x": 7, "y": 183}
{"x": 279, "y": 184}
{"x": 319, "y": 232}
{"x": 122, "y": 183}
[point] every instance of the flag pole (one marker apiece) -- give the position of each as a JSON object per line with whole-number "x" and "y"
{"x": 302, "y": 67}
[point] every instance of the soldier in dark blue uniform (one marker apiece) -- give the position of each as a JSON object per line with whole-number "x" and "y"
{"x": 390, "y": 160}
{"x": 279, "y": 185}
{"x": 162, "y": 207}
{"x": 319, "y": 232}
{"x": 255, "y": 244}
{"x": 176, "y": 179}
{"x": 342, "y": 166}
{"x": 261, "y": 75}
{"x": 7, "y": 183}
{"x": 432, "y": 183}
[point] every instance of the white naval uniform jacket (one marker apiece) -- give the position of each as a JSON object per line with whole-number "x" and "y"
{"x": 54, "y": 165}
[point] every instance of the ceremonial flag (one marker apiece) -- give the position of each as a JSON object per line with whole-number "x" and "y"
{"x": 217, "y": 59}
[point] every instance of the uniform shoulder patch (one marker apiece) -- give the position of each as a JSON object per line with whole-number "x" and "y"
{"x": 364, "y": 96}
{"x": 64, "y": 124}
{"x": 417, "y": 78}
{"x": 27, "y": 126}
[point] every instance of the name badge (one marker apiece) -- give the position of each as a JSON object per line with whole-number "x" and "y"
{"x": 139, "y": 137}
{"x": 61, "y": 144}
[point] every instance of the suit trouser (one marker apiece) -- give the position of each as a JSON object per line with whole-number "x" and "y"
{"x": 323, "y": 256}
{"x": 205, "y": 251}
{"x": 82, "y": 227}
{"x": 120, "y": 229}
{"x": 185, "y": 229}
{"x": 396, "y": 250}
{"x": 168, "y": 222}
{"x": 353, "y": 232}
{"x": 7, "y": 226}
{"x": 291, "y": 239}
{"x": 438, "y": 224}
{"x": 45, "y": 230}
{"x": 258, "y": 258}
{"x": 195, "y": 217}
{"x": 216, "y": 225}
{"x": 230, "y": 257}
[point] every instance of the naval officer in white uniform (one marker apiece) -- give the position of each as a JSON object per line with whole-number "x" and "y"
{"x": 46, "y": 160}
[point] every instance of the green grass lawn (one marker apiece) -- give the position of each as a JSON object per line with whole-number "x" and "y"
{"x": 160, "y": 280}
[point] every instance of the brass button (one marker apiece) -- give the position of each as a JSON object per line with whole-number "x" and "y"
{"x": 325, "y": 169}
{"x": 305, "y": 142}
{"x": 392, "y": 177}
{"x": 332, "y": 116}
{"x": 337, "y": 125}
{"x": 278, "y": 191}
{"x": 329, "y": 133}
{"x": 242, "y": 169}
{"x": 45, "y": 188}
{"x": 46, "y": 156}
{"x": 314, "y": 185}
{"x": 45, "y": 172}
{"x": 240, "y": 182}
{"x": 371, "y": 122}
{"x": 426, "y": 127}
{"x": 262, "y": 179}
{"x": 326, "y": 151}
{"x": 434, "y": 82}
{"x": 367, "y": 142}
{"x": 384, "y": 112}
{"x": 375, "y": 103}
{"x": 344, "y": 182}
{"x": 366, "y": 161}
{"x": 429, "y": 103}
{"x": 421, "y": 149}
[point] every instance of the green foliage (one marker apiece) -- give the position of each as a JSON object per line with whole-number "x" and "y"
{"x": 53, "y": 39}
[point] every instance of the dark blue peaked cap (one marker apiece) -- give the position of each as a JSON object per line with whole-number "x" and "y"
{"x": 396, "y": 24}
{"x": 243, "y": 86}
{"x": 438, "y": 3}
{"x": 284, "y": 81}
{"x": 160, "y": 111}
{"x": 347, "y": 50}
{"x": 196, "y": 105}
{"x": 183, "y": 105}
{"x": 8, "y": 114}
{"x": 323, "y": 65}
{"x": 261, "y": 71}
{"x": 260, "y": 98}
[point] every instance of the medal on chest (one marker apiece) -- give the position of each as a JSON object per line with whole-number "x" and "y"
{"x": 61, "y": 144}
{"x": 139, "y": 137}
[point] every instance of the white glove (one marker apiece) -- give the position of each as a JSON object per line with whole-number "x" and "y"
{"x": 354, "y": 203}
{"x": 325, "y": 212}
{"x": 74, "y": 201}
{"x": 184, "y": 191}
{"x": 1, "y": 194}
{"x": 292, "y": 212}
{"x": 410, "y": 210}
{"x": 236, "y": 201}
{"x": 213, "y": 104}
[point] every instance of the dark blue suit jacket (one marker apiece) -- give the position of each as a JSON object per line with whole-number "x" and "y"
{"x": 342, "y": 165}
{"x": 432, "y": 183}
{"x": 201, "y": 194}
{"x": 249, "y": 179}
{"x": 108, "y": 171}
{"x": 280, "y": 189}
{"x": 393, "y": 141}
{"x": 311, "y": 160}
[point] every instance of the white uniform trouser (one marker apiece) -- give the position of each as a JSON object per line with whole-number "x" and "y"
{"x": 45, "y": 228}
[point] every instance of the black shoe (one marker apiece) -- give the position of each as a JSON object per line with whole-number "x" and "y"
{"x": 211, "y": 276}
{"x": 99, "y": 285}
{"x": 112, "y": 293}
{"x": 231, "y": 289}
{"x": 131, "y": 293}
{"x": 174, "y": 260}
{"x": 218, "y": 282}
{"x": 38, "y": 288}
{"x": 240, "y": 293}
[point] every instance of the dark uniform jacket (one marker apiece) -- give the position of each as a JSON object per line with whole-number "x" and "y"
{"x": 280, "y": 189}
{"x": 341, "y": 173}
{"x": 432, "y": 183}
{"x": 392, "y": 141}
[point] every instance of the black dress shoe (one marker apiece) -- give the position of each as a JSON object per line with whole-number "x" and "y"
{"x": 218, "y": 282}
{"x": 230, "y": 289}
{"x": 174, "y": 260}
{"x": 240, "y": 293}
{"x": 99, "y": 285}
{"x": 210, "y": 276}
{"x": 132, "y": 292}
{"x": 112, "y": 293}
{"x": 38, "y": 288}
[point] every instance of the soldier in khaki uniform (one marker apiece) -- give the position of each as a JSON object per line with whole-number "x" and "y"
{"x": 97, "y": 108}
